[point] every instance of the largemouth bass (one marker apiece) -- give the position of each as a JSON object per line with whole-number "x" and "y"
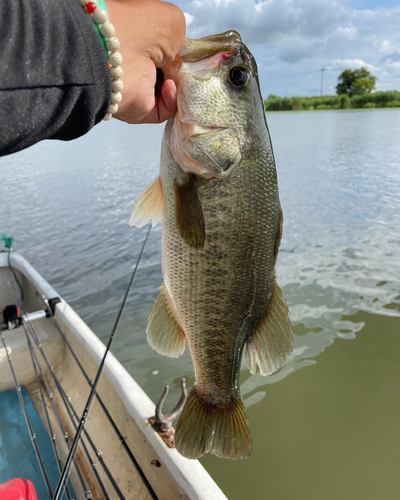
{"x": 217, "y": 196}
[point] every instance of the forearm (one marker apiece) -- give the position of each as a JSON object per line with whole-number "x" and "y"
{"x": 54, "y": 81}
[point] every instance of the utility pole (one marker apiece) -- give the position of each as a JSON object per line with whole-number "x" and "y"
{"x": 322, "y": 79}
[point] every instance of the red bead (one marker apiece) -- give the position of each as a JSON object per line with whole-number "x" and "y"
{"x": 91, "y": 7}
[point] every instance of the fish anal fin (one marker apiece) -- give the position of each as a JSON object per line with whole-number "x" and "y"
{"x": 189, "y": 215}
{"x": 164, "y": 335}
{"x": 149, "y": 206}
{"x": 204, "y": 428}
{"x": 272, "y": 341}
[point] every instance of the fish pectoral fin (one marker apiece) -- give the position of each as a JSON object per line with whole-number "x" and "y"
{"x": 189, "y": 215}
{"x": 272, "y": 341}
{"x": 149, "y": 206}
{"x": 164, "y": 335}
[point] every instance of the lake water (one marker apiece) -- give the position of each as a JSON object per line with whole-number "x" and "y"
{"x": 326, "y": 426}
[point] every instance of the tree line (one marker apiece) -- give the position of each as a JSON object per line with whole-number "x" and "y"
{"x": 353, "y": 90}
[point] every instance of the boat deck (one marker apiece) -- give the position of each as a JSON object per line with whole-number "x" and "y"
{"x": 17, "y": 457}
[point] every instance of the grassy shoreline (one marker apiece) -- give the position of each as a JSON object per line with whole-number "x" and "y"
{"x": 383, "y": 99}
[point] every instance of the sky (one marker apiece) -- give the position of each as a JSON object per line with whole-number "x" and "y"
{"x": 293, "y": 39}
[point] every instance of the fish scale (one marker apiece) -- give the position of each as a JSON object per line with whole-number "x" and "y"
{"x": 217, "y": 196}
{"x": 222, "y": 272}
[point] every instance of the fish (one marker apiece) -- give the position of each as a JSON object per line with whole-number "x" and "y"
{"x": 217, "y": 198}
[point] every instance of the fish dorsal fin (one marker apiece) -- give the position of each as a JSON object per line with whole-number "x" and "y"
{"x": 164, "y": 335}
{"x": 189, "y": 215}
{"x": 272, "y": 341}
{"x": 149, "y": 206}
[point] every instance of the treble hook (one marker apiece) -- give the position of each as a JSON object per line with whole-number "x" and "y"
{"x": 163, "y": 423}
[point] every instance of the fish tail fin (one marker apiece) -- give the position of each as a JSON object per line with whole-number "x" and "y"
{"x": 204, "y": 428}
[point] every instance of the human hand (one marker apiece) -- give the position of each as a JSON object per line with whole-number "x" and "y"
{"x": 151, "y": 33}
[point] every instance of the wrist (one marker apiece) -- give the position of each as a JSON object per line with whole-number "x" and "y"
{"x": 97, "y": 10}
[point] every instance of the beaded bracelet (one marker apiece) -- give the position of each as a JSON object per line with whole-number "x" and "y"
{"x": 106, "y": 31}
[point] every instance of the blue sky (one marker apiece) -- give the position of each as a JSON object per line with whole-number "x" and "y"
{"x": 373, "y": 4}
{"x": 293, "y": 39}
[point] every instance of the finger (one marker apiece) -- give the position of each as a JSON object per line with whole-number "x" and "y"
{"x": 165, "y": 104}
{"x": 171, "y": 33}
{"x": 169, "y": 99}
{"x": 138, "y": 99}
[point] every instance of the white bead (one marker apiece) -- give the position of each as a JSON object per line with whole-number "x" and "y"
{"x": 113, "y": 108}
{"x": 117, "y": 85}
{"x": 107, "y": 29}
{"x": 116, "y": 97}
{"x": 99, "y": 16}
{"x": 115, "y": 59}
{"x": 107, "y": 117}
{"x": 113, "y": 44}
{"x": 116, "y": 72}
{"x": 83, "y": 3}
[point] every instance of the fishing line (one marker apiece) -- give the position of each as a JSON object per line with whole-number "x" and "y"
{"x": 60, "y": 485}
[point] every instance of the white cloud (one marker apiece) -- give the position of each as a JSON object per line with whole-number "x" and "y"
{"x": 394, "y": 68}
{"x": 352, "y": 63}
{"x": 347, "y": 32}
{"x": 293, "y": 39}
{"x": 189, "y": 18}
{"x": 268, "y": 20}
{"x": 386, "y": 46}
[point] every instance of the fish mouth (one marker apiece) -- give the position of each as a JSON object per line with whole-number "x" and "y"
{"x": 194, "y": 50}
{"x": 215, "y": 48}
{"x": 201, "y": 57}
{"x": 208, "y": 52}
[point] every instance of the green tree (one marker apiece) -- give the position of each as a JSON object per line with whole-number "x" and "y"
{"x": 355, "y": 82}
{"x": 363, "y": 86}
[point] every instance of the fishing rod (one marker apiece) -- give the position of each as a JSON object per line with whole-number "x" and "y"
{"x": 60, "y": 484}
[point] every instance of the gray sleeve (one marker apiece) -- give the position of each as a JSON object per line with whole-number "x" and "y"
{"x": 54, "y": 77}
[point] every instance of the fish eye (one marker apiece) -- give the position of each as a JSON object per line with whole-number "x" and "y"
{"x": 238, "y": 76}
